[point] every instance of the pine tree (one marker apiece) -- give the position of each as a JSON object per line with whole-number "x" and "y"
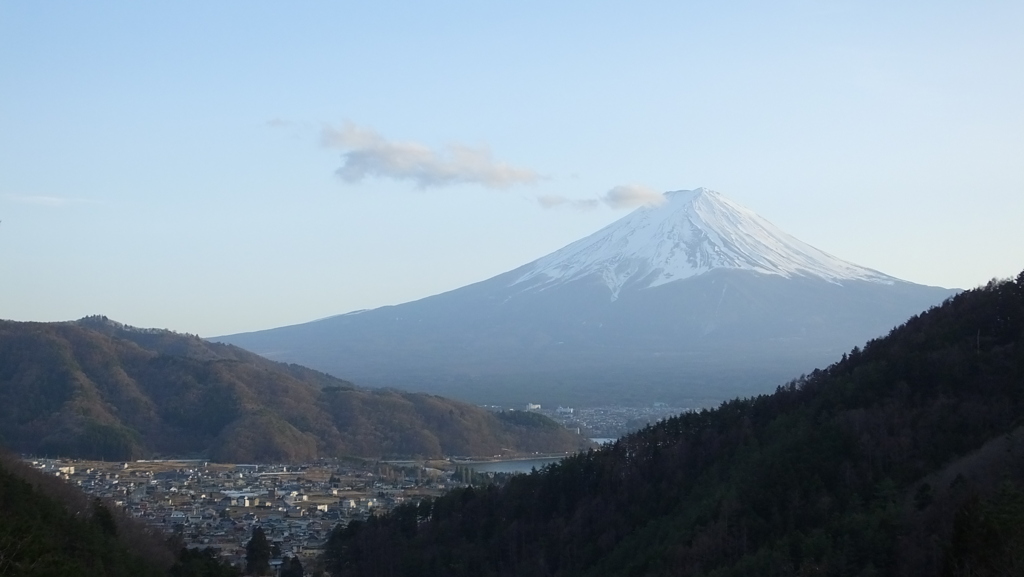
{"x": 292, "y": 568}
{"x": 257, "y": 553}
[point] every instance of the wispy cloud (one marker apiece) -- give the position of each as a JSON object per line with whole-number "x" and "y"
{"x": 41, "y": 200}
{"x": 631, "y": 196}
{"x": 620, "y": 197}
{"x": 365, "y": 153}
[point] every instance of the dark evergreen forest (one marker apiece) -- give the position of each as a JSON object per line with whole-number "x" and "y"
{"x": 905, "y": 457}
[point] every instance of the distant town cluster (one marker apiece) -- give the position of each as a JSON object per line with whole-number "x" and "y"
{"x": 610, "y": 422}
{"x": 219, "y": 505}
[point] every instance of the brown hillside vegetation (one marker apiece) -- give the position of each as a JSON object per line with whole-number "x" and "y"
{"x": 97, "y": 389}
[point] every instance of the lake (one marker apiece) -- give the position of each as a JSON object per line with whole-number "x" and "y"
{"x": 519, "y": 465}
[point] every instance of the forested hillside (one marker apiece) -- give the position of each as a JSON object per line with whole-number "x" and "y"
{"x": 98, "y": 389}
{"x": 902, "y": 458}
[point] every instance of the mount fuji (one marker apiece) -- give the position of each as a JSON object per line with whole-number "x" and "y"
{"x": 690, "y": 301}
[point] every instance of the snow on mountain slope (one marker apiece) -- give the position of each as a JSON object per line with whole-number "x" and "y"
{"x": 691, "y": 233}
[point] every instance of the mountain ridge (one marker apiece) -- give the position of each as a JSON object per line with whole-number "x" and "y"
{"x": 97, "y": 389}
{"x": 595, "y": 321}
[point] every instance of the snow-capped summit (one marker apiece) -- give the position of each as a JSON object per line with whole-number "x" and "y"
{"x": 689, "y": 234}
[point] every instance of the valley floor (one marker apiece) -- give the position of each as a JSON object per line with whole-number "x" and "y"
{"x": 218, "y": 505}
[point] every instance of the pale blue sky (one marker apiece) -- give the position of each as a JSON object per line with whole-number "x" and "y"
{"x": 167, "y": 166}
